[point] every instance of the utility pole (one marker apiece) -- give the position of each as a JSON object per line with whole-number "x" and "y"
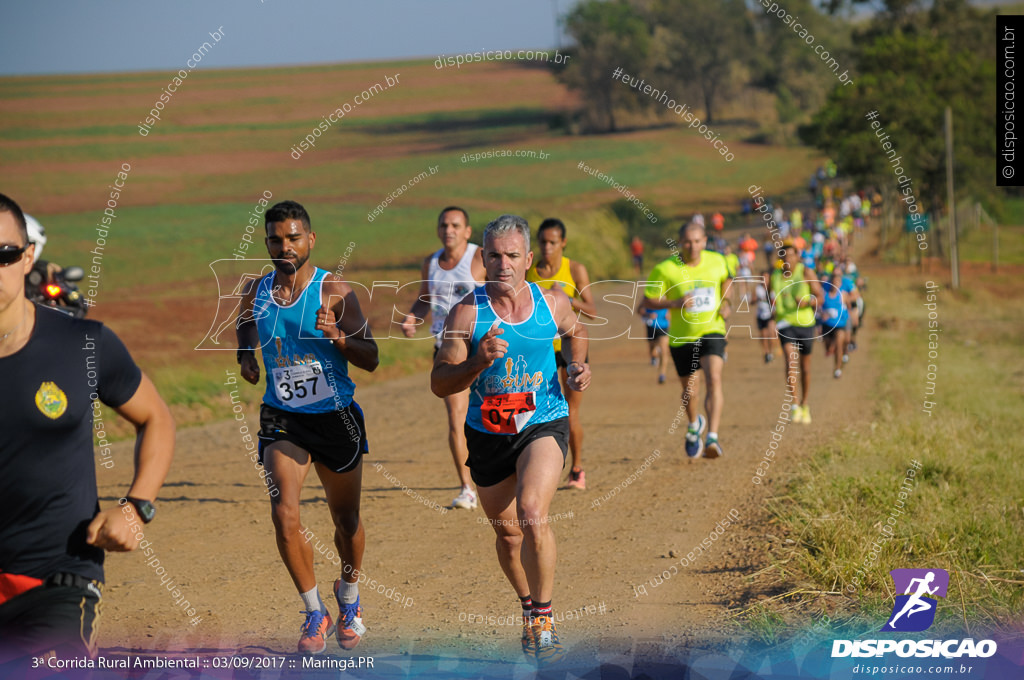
{"x": 995, "y": 241}
{"x": 954, "y": 253}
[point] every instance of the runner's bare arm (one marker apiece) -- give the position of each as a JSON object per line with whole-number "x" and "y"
{"x": 154, "y": 449}
{"x": 341, "y": 320}
{"x": 726, "y": 299}
{"x": 421, "y": 307}
{"x": 816, "y": 289}
{"x": 454, "y": 367}
{"x": 575, "y": 342}
{"x": 663, "y": 302}
{"x": 248, "y": 335}
{"x": 585, "y": 303}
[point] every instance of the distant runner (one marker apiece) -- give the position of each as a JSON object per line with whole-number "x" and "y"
{"x": 765, "y": 317}
{"x": 796, "y": 293}
{"x": 836, "y": 322}
{"x": 718, "y": 223}
{"x": 691, "y": 287}
{"x": 636, "y": 248}
{"x": 554, "y": 270}
{"x": 656, "y": 322}
{"x": 446, "y": 277}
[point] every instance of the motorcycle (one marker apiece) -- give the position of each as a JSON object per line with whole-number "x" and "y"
{"x": 49, "y": 285}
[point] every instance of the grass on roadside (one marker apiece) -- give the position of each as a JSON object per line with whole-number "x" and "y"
{"x": 966, "y": 511}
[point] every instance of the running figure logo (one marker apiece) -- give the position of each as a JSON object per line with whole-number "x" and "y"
{"x": 914, "y": 610}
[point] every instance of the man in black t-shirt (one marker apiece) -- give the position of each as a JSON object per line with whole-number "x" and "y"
{"x": 52, "y": 531}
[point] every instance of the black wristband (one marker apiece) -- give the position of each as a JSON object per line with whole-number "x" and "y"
{"x": 143, "y": 508}
{"x": 241, "y": 352}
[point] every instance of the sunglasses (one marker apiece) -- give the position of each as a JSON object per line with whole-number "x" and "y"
{"x": 11, "y": 254}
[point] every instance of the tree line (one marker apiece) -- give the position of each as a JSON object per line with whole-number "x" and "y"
{"x": 905, "y": 59}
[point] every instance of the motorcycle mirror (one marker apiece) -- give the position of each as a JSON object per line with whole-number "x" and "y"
{"x": 73, "y": 274}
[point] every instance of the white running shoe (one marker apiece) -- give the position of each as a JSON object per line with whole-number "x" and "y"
{"x": 465, "y": 500}
{"x": 838, "y": 373}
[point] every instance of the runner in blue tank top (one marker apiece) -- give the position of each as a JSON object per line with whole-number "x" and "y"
{"x": 309, "y": 326}
{"x": 835, "y": 321}
{"x": 497, "y": 343}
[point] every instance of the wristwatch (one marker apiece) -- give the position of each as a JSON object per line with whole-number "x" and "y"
{"x": 145, "y": 509}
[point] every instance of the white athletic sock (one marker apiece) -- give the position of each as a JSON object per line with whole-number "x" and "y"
{"x": 311, "y": 600}
{"x": 712, "y": 435}
{"x": 348, "y": 592}
{"x": 695, "y": 426}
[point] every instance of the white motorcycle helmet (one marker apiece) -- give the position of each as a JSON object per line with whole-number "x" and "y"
{"x": 36, "y": 235}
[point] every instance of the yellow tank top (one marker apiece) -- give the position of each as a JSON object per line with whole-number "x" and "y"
{"x": 563, "y": 276}
{"x": 788, "y": 296}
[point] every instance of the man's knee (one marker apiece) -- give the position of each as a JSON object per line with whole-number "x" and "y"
{"x": 532, "y": 514}
{"x": 508, "y": 541}
{"x": 346, "y": 522}
{"x": 286, "y": 516}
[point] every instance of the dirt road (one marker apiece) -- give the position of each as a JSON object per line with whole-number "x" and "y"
{"x": 626, "y": 577}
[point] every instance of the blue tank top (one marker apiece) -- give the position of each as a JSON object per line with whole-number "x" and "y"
{"x": 834, "y": 312}
{"x": 661, "y": 319}
{"x": 305, "y": 373}
{"x": 526, "y": 376}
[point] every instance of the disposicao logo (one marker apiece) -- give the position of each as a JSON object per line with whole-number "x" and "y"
{"x": 914, "y": 610}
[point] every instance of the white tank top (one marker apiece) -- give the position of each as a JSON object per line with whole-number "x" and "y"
{"x": 764, "y": 308}
{"x": 449, "y": 286}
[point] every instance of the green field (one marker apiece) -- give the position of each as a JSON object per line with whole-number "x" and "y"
{"x": 226, "y": 137}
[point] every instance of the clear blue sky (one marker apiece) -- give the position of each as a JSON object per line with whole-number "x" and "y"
{"x": 48, "y": 36}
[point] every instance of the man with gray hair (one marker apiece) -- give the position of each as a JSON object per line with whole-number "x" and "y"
{"x": 497, "y": 343}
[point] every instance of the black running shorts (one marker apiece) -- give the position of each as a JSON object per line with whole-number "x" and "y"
{"x": 336, "y": 439}
{"x": 687, "y": 357}
{"x": 655, "y": 332}
{"x": 492, "y": 457}
{"x": 803, "y": 338}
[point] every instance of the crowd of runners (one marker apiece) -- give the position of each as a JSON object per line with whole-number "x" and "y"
{"x": 511, "y": 364}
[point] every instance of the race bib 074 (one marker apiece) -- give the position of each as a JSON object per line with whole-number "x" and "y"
{"x": 507, "y": 413}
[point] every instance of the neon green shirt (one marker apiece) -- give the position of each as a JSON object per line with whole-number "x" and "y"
{"x": 788, "y": 293}
{"x": 672, "y": 279}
